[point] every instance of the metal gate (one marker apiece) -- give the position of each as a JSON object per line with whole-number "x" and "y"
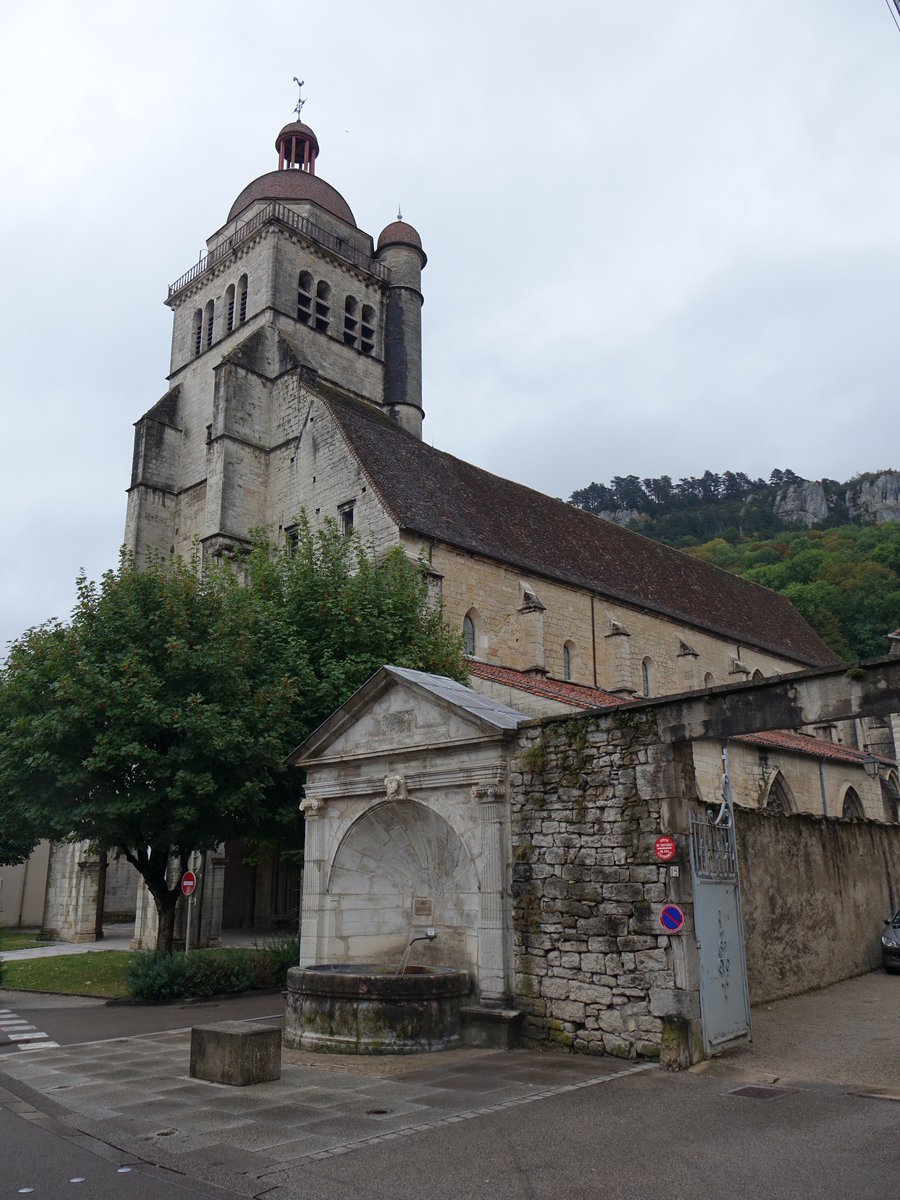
{"x": 724, "y": 999}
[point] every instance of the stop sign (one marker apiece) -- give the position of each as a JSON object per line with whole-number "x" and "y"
{"x": 188, "y": 882}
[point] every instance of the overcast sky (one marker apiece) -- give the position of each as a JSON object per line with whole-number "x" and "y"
{"x": 661, "y": 238}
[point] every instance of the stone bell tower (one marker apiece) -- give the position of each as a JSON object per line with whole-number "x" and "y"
{"x": 290, "y": 293}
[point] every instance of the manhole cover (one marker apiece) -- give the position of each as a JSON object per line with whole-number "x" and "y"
{"x": 754, "y": 1092}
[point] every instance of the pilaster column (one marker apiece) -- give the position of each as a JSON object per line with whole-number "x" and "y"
{"x": 314, "y": 878}
{"x": 493, "y": 953}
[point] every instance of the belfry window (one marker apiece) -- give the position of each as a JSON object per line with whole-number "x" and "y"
{"x": 351, "y": 325}
{"x": 367, "y": 331}
{"x": 243, "y": 284}
{"x": 229, "y": 308}
{"x": 304, "y": 297}
{"x": 323, "y": 306}
{"x": 209, "y": 320}
{"x": 198, "y": 331}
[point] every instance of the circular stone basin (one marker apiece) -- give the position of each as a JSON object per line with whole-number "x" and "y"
{"x": 367, "y": 1008}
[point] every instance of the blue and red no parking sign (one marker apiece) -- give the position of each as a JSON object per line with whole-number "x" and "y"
{"x": 671, "y": 918}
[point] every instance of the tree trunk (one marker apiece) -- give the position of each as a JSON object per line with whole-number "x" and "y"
{"x": 101, "y": 896}
{"x": 165, "y": 933}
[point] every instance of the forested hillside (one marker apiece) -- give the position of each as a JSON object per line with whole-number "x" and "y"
{"x": 843, "y": 576}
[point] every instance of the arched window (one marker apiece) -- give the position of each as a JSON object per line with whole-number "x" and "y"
{"x": 243, "y": 285}
{"x": 367, "y": 332}
{"x": 198, "y": 331}
{"x": 568, "y": 660}
{"x": 323, "y": 306}
{"x": 648, "y": 676}
{"x": 779, "y": 797}
{"x": 852, "y": 809}
{"x": 709, "y": 680}
{"x": 209, "y": 318}
{"x": 304, "y": 297}
{"x": 468, "y": 634}
{"x": 229, "y": 307}
{"x": 757, "y": 676}
{"x": 351, "y": 324}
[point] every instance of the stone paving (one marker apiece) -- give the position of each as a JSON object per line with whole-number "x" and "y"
{"x": 136, "y": 1094}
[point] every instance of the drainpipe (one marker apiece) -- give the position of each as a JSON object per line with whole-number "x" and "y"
{"x": 594, "y": 640}
{"x": 822, "y": 786}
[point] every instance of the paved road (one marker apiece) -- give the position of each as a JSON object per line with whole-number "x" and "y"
{"x": 516, "y": 1126}
{"x": 67, "y": 1020}
{"x": 43, "y": 1159}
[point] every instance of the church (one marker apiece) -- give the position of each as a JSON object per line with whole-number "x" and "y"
{"x": 295, "y": 386}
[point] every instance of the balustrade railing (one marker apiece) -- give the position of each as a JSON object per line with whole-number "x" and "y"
{"x": 286, "y": 216}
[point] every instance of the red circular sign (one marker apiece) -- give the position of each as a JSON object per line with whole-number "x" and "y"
{"x": 188, "y": 882}
{"x": 664, "y": 848}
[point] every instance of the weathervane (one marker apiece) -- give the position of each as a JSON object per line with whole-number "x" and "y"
{"x": 300, "y": 101}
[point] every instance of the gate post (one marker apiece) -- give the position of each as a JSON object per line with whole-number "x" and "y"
{"x": 682, "y": 1038}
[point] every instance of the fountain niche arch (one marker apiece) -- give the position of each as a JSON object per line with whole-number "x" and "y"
{"x": 400, "y": 870}
{"x": 402, "y": 867}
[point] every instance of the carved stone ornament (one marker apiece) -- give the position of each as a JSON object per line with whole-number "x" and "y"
{"x": 487, "y": 794}
{"x": 395, "y": 787}
{"x": 311, "y": 805}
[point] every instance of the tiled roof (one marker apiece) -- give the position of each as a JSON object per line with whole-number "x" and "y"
{"x": 575, "y": 694}
{"x": 438, "y": 496}
{"x": 580, "y": 696}
{"x": 799, "y": 743}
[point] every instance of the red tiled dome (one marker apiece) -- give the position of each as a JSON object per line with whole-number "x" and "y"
{"x": 398, "y": 233}
{"x": 294, "y": 185}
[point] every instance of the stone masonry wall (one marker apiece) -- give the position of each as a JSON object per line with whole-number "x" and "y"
{"x": 814, "y": 894}
{"x": 592, "y": 969}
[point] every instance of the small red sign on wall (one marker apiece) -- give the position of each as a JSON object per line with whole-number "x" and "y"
{"x": 664, "y": 848}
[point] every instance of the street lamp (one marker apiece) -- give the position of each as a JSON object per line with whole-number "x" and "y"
{"x": 870, "y": 766}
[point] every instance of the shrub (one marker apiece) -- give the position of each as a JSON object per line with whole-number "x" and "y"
{"x": 157, "y": 978}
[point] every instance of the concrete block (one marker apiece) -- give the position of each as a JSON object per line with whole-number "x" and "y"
{"x": 236, "y": 1052}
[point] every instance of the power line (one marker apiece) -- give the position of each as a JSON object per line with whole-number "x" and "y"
{"x": 894, "y": 10}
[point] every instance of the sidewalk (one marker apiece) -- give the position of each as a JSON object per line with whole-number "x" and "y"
{"x": 118, "y": 937}
{"x": 137, "y": 1095}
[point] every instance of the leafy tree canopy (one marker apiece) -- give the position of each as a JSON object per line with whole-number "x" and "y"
{"x": 156, "y": 722}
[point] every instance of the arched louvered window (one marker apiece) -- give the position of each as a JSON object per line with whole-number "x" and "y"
{"x": 198, "y": 332}
{"x": 351, "y": 322}
{"x": 209, "y": 318}
{"x": 367, "y": 329}
{"x": 229, "y": 308}
{"x": 323, "y": 306}
{"x": 243, "y": 285}
{"x": 304, "y": 297}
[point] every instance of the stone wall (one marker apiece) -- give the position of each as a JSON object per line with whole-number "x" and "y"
{"x": 592, "y": 969}
{"x": 814, "y": 894}
{"x": 617, "y": 636}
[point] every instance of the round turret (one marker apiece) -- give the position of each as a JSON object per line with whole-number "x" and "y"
{"x": 400, "y": 249}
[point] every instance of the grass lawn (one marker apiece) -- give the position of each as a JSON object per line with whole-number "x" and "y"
{"x": 99, "y": 973}
{"x": 19, "y": 939}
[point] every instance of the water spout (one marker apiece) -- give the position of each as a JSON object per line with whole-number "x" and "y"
{"x": 429, "y": 935}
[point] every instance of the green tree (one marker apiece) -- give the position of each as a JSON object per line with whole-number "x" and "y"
{"x": 156, "y": 722}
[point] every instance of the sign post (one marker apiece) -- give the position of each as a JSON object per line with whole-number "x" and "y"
{"x": 188, "y": 887}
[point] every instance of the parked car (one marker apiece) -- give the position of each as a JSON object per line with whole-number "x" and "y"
{"x": 890, "y": 943}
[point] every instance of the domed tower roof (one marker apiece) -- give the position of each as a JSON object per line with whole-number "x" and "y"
{"x": 295, "y": 178}
{"x": 399, "y": 233}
